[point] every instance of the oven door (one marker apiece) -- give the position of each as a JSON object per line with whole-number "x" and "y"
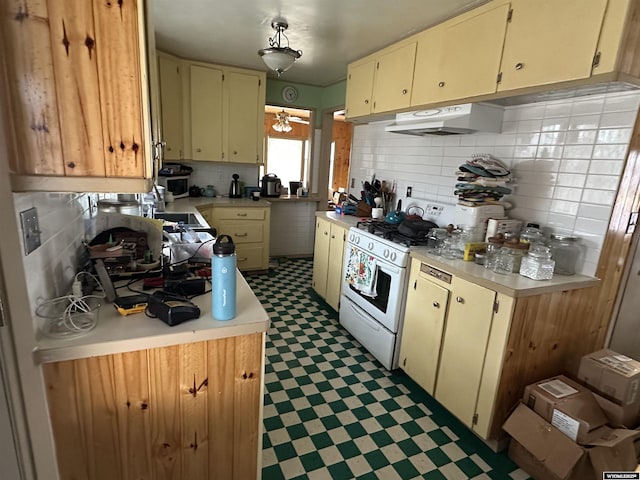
{"x": 390, "y": 282}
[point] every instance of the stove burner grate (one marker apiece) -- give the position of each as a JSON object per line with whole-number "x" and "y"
{"x": 390, "y": 232}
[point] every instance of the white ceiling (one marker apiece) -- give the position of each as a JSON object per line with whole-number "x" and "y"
{"x": 330, "y": 33}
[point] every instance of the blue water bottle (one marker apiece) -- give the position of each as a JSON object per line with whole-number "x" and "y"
{"x": 223, "y": 279}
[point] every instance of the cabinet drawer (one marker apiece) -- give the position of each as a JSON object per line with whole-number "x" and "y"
{"x": 239, "y": 214}
{"x": 242, "y": 232}
{"x": 249, "y": 257}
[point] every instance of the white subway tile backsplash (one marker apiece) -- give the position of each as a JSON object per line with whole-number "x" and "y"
{"x": 566, "y": 157}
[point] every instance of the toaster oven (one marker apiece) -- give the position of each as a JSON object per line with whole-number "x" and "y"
{"x": 176, "y": 184}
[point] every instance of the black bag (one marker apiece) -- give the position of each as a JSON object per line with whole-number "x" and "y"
{"x": 416, "y": 229}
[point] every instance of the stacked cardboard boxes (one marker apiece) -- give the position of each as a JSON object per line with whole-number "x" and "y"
{"x": 563, "y": 430}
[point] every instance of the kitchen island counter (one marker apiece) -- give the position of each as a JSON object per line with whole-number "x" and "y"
{"x": 115, "y": 333}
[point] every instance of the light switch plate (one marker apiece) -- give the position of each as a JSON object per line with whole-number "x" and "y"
{"x": 30, "y": 230}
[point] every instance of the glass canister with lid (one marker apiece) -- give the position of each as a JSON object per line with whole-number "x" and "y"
{"x": 565, "y": 251}
{"x": 537, "y": 264}
{"x": 531, "y": 234}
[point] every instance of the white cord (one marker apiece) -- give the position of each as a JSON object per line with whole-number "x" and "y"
{"x": 78, "y": 316}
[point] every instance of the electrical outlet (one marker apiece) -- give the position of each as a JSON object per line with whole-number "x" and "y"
{"x": 353, "y": 183}
{"x": 409, "y": 191}
{"x": 30, "y": 230}
{"x": 434, "y": 210}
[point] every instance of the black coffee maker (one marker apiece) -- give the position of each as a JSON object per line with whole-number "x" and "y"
{"x": 234, "y": 188}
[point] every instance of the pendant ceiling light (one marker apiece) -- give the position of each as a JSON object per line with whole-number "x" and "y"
{"x": 282, "y": 122}
{"x": 276, "y": 57}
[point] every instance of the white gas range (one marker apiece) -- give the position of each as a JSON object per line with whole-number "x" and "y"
{"x": 374, "y": 293}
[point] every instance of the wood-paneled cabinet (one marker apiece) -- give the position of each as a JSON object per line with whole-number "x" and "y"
{"x": 381, "y": 84}
{"x": 171, "y": 101}
{"x": 328, "y": 261}
{"x": 461, "y": 59}
{"x": 225, "y": 108}
{"x": 184, "y": 411}
{"x": 76, "y": 95}
{"x": 548, "y": 41}
{"x": 249, "y": 227}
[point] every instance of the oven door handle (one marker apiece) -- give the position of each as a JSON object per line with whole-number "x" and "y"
{"x": 372, "y": 323}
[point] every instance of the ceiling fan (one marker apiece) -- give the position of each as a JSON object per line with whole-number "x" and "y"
{"x": 283, "y": 120}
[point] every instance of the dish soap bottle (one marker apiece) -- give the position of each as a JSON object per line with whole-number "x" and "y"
{"x": 223, "y": 279}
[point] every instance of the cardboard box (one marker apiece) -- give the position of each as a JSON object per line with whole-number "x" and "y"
{"x": 612, "y": 375}
{"x": 619, "y": 415}
{"x": 567, "y": 405}
{"x": 545, "y": 453}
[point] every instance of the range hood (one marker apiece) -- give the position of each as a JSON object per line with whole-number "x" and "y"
{"x": 451, "y": 120}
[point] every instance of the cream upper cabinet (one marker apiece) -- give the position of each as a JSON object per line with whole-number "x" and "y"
{"x": 206, "y": 113}
{"x": 170, "y": 79}
{"x": 469, "y": 59}
{"x": 78, "y": 109}
{"x": 359, "y": 89}
{"x": 393, "y": 79}
{"x": 548, "y": 41}
{"x": 426, "y": 74}
{"x": 245, "y": 119}
{"x": 424, "y": 320}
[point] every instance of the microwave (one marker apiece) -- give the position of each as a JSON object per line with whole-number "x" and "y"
{"x": 176, "y": 184}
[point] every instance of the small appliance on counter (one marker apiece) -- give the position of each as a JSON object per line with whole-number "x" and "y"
{"x": 271, "y": 186}
{"x": 234, "y": 189}
{"x": 175, "y": 179}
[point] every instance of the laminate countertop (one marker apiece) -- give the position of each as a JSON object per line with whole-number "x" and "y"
{"x": 115, "y": 333}
{"x": 513, "y": 285}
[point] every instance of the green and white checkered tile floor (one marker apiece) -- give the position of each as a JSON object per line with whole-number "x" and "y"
{"x": 331, "y": 411}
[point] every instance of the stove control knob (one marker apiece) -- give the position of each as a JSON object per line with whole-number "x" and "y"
{"x": 393, "y": 256}
{"x": 351, "y": 237}
{"x": 370, "y": 246}
{"x": 356, "y": 240}
{"x": 386, "y": 253}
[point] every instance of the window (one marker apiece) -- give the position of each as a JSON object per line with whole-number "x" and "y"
{"x": 288, "y": 153}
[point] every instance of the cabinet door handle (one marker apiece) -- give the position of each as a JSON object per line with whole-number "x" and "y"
{"x": 241, "y": 214}
{"x": 366, "y": 102}
{"x": 243, "y": 259}
{"x": 333, "y": 236}
{"x": 198, "y": 149}
{"x": 404, "y": 91}
{"x": 326, "y": 233}
{"x": 235, "y": 152}
{"x": 459, "y": 299}
{"x": 240, "y": 234}
{"x": 519, "y": 66}
{"x": 441, "y": 84}
{"x": 436, "y": 305}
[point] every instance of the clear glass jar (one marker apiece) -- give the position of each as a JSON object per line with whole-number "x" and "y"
{"x": 565, "y": 250}
{"x": 537, "y": 264}
{"x": 531, "y": 234}
{"x": 451, "y": 247}
{"x": 504, "y": 261}
{"x": 435, "y": 240}
{"x": 493, "y": 247}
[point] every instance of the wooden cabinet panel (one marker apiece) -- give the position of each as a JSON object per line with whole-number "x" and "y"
{"x": 464, "y": 348}
{"x": 171, "y": 102}
{"x": 206, "y": 116}
{"x": 245, "y": 118}
{"x": 320, "y": 257}
{"x": 185, "y": 411}
{"x": 394, "y": 79}
{"x": 549, "y": 41}
{"x": 470, "y": 57}
{"x": 250, "y": 256}
{"x": 426, "y": 75}
{"x": 99, "y": 409}
{"x": 423, "y": 326}
{"x": 359, "y": 89}
{"x": 75, "y": 72}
